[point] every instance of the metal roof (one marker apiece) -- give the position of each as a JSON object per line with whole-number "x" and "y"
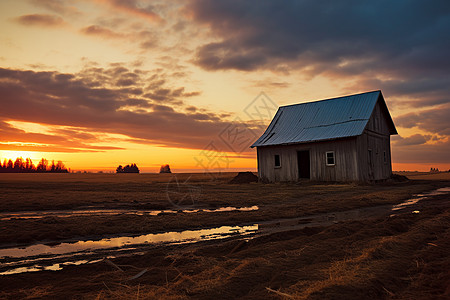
{"x": 322, "y": 120}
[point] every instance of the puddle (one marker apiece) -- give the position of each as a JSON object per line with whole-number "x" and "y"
{"x": 52, "y": 267}
{"x": 40, "y": 257}
{"x": 42, "y": 252}
{"x": 419, "y": 197}
{"x": 186, "y": 236}
{"x": 349, "y": 215}
{"x": 5, "y": 216}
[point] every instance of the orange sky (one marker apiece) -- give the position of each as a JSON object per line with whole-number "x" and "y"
{"x": 102, "y": 83}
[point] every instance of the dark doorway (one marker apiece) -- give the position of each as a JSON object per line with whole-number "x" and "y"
{"x": 303, "y": 164}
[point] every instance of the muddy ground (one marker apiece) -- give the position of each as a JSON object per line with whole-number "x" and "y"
{"x": 399, "y": 257}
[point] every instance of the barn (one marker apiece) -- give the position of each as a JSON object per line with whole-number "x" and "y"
{"x": 339, "y": 139}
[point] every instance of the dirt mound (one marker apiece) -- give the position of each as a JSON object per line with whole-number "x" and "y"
{"x": 244, "y": 177}
{"x": 398, "y": 178}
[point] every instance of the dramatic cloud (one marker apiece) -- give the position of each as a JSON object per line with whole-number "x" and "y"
{"x": 91, "y": 106}
{"x": 97, "y": 30}
{"x": 435, "y": 120}
{"x": 416, "y": 139}
{"x": 346, "y": 34}
{"x": 401, "y": 47}
{"x": 41, "y": 20}
{"x": 425, "y": 153}
{"x": 61, "y": 140}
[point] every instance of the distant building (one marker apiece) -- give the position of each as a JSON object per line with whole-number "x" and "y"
{"x": 339, "y": 139}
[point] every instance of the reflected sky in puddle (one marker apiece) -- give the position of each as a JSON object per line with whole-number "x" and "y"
{"x": 68, "y": 251}
{"x": 52, "y": 267}
{"x": 87, "y": 212}
{"x": 186, "y": 236}
{"x": 419, "y": 197}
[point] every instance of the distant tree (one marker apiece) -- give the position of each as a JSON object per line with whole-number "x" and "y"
{"x": 133, "y": 168}
{"x": 29, "y": 166}
{"x": 26, "y": 166}
{"x": 10, "y": 166}
{"x": 59, "y": 167}
{"x": 165, "y": 169}
{"x": 18, "y": 165}
{"x": 42, "y": 166}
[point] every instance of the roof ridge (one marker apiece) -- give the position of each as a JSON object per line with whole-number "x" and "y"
{"x": 335, "y": 98}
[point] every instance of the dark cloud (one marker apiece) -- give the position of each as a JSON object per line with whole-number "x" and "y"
{"x": 435, "y": 120}
{"x": 148, "y": 85}
{"x": 415, "y": 139}
{"x": 41, "y": 20}
{"x": 424, "y": 153}
{"x": 71, "y": 100}
{"x": 263, "y": 34}
{"x": 97, "y": 30}
{"x": 401, "y": 47}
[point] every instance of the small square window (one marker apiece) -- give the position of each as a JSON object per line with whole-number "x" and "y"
{"x": 330, "y": 158}
{"x": 277, "y": 161}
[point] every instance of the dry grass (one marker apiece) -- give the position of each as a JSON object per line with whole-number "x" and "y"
{"x": 401, "y": 257}
{"x": 21, "y": 192}
{"x": 430, "y": 176}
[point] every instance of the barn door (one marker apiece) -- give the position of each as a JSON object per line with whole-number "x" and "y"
{"x": 304, "y": 170}
{"x": 370, "y": 160}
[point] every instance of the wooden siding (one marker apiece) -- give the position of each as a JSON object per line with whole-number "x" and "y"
{"x": 363, "y": 158}
{"x": 375, "y": 138}
{"x": 345, "y": 168}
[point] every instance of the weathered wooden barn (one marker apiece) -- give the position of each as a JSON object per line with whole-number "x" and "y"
{"x": 339, "y": 139}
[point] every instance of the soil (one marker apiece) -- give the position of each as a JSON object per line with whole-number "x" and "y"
{"x": 244, "y": 177}
{"x": 390, "y": 257}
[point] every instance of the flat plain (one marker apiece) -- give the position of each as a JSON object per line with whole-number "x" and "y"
{"x": 387, "y": 256}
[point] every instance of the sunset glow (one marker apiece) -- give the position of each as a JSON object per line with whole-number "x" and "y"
{"x": 100, "y": 83}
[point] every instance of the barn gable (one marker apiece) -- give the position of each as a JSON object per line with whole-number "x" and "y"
{"x": 324, "y": 120}
{"x": 339, "y": 139}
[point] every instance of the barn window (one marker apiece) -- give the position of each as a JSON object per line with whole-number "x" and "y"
{"x": 277, "y": 161}
{"x": 330, "y": 158}
{"x": 384, "y": 157}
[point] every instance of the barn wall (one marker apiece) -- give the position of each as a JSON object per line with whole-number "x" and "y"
{"x": 372, "y": 146}
{"x": 371, "y": 149}
{"x": 378, "y": 121}
{"x": 363, "y": 158}
{"x": 345, "y": 168}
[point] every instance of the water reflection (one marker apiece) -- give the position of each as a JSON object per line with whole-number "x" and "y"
{"x": 419, "y": 197}
{"x": 186, "y": 236}
{"x": 52, "y": 267}
{"x": 14, "y": 259}
{"x": 88, "y": 212}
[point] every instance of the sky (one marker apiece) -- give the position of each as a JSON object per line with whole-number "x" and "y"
{"x": 193, "y": 83}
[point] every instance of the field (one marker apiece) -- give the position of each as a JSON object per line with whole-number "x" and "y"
{"x": 403, "y": 256}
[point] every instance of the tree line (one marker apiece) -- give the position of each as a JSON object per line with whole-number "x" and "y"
{"x": 21, "y": 165}
{"x": 133, "y": 168}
